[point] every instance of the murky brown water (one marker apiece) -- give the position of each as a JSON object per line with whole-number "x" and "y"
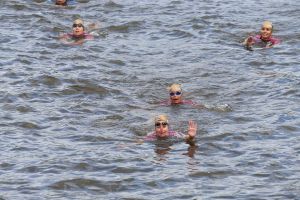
{"x": 71, "y": 115}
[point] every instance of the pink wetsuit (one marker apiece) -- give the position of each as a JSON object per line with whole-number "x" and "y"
{"x": 172, "y": 134}
{"x": 74, "y": 37}
{"x": 270, "y": 42}
{"x": 184, "y": 102}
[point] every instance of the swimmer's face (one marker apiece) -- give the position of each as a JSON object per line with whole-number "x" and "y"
{"x": 175, "y": 96}
{"x": 60, "y": 2}
{"x": 78, "y": 29}
{"x": 161, "y": 129}
{"x": 266, "y": 32}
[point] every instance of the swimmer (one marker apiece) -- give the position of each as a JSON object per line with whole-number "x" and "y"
{"x": 176, "y": 97}
{"x": 264, "y": 39}
{"x": 78, "y": 35}
{"x": 175, "y": 92}
{"x": 162, "y": 131}
{"x": 61, "y": 2}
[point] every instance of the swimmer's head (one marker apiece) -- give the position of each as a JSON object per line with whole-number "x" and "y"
{"x": 174, "y": 87}
{"x": 175, "y": 92}
{"x": 78, "y": 27}
{"x": 266, "y": 30}
{"x": 61, "y": 2}
{"x": 78, "y": 21}
{"x": 267, "y": 24}
{"x": 161, "y": 118}
{"x": 161, "y": 126}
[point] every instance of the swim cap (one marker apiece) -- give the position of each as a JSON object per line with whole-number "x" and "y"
{"x": 78, "y": 21}
{"x": 174, "y": 87}
{"x": 267, "y": 24}
{"x": 161, "y": 118}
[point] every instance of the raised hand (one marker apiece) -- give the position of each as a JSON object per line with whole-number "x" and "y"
{"x": 192, "y": 129}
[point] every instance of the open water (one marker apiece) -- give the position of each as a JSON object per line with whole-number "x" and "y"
{"x": 71, "y": 115}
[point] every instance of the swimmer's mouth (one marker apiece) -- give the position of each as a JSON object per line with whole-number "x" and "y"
{"x": 265, "y": 34}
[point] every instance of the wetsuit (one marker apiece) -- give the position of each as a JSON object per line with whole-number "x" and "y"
{"x": 85, "y": 36}
{"x": 184, "y": 102}
{"x": 171, "y": 134}
{"x": 265, "y": 43}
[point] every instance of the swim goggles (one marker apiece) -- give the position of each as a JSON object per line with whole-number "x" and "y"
{"x": 267, "y": 29}
{"x": 77, "y": 25}
{"x": 175, "y": 93}
{"x": 158, "y": 124}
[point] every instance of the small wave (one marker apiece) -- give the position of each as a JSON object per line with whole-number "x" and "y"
{"x": 118, "y": 62}
{"x": 87, "y": 88}
{"x": 130, "y": 170}
{"x": 180, "y": 34}
{"x": 213, "y": 174}
{"x": 24, "y": 109}
{"x": 219, "y": 108}
{"x": 103, "y": 186}
{"x": 290, "y": 128}
{"x": 82, "y": 166}
{"x": 28, "y": 125}
{"x": 219, "y": 137}
{"x": 46, "y": 80}
{"x": 6, "y": 166}
{"x": 111, "y": 4}
{"x": 107, "y": 121}
{"x": 83, "y": 1}
{"x": 19, "y": 7}
{"x": 127, "y": 27}
{"x": 90, "y": 138}
{"x": 30, "y": 169}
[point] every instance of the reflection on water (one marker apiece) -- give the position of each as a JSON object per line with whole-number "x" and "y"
{"x": 163, "y": 148}
{"x": 71, "y": 115}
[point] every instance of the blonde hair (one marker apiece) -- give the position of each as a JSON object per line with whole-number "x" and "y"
{"x": 174, "y": 87}
{"x": 161, "y": 118}
{"x": 78, "y": 21}
{"x": 267, "y": 24}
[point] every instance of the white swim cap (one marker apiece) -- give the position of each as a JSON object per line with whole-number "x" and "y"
{"x": 267, "y": 24}
{"x": 174, "y": 87}
{"x": 161, "y": 118}
{"x": 78, "y": 21}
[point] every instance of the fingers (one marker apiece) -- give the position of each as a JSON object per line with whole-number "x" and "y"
{"x": 249, "y": 40}
{"x": 192, "y": 129}
{"x": 192, "y": 125}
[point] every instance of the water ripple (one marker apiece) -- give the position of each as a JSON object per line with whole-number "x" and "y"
{"x": 73, "y": 117}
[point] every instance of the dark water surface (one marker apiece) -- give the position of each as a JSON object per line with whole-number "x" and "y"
{"x": 71, "y": 115}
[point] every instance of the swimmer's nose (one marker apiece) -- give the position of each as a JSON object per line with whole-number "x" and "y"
{"x": 161, "y": 128}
